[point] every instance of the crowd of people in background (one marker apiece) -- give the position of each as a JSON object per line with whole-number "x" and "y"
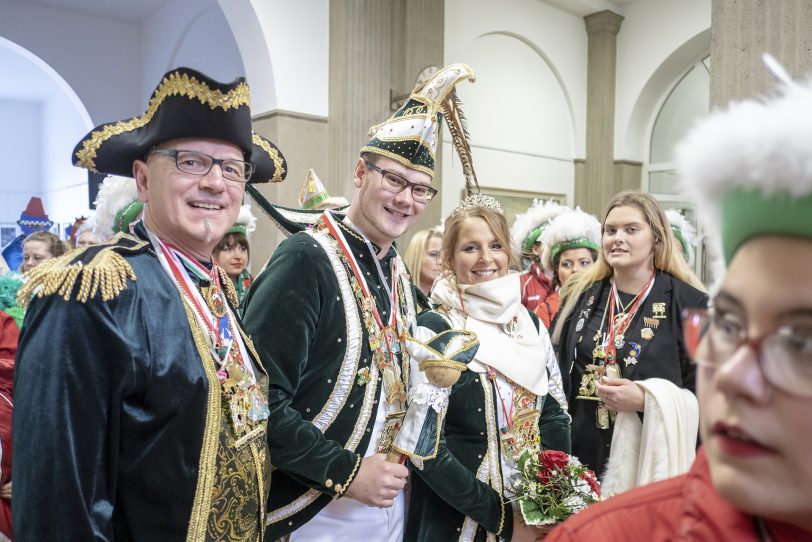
{"x": 190, "y": 399}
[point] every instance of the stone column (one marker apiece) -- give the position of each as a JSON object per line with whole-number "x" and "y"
{"x": 596, "y": 186}
{"x": 741, "y": 30}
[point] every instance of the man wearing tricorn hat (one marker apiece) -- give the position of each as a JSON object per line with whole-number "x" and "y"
{"x": 329, "y": 316}
{"x": 141, "y": 403}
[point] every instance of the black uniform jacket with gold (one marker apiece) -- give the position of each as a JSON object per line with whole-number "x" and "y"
{"x": 119, "y": 427}
{"x": 652, "y": 348}
{"x": 305, "y": 322}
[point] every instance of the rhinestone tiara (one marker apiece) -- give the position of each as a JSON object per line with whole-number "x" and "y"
{"x": 479, "y": 200}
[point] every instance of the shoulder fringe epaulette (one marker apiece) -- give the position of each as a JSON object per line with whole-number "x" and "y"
{"x": 231, "y": 292}
{"x": 97, "y": 269}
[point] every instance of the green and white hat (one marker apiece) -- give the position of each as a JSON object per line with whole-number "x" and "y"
{"x": 412, "y": 134}
{"x": 570, "y": 229}
{"x": 684, "y": 232}
{"x": 117, "y": 206}
{"x": 750, "y": 165}
{"x": 246, "y": 222}
{"x": 528, "y": 226}
{"x": 315, "y": 196}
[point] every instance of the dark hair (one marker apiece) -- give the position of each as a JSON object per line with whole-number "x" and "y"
{"x": 557, "y": 260}
{"x": 55, "y": 245}
{"x": 230, "y": 240}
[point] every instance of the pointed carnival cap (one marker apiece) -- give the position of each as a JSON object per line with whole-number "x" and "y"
{"x": 412, "y": 134}
{"x": 315, "y": 196}
{"x": 185, "y": 104}
{"x": 117, "y": 206}
{"x": 528, "y": 226}
{"x": 246, "y": 222}
{"x": 684, "y": 232}
{"x": 33, "y": 218}
{"x": 570, "y": 229}
{"x": 750, "y": 165}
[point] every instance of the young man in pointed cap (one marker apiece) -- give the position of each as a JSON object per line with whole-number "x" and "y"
{"x": 328, "y": 316}
{"x": 749, "y": 165}
{"x": 141, "y": 404}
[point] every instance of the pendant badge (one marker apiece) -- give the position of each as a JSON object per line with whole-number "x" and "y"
{"x": 620, "y": 341}
{"x": 647, "y": 333}
{"x": 602, "y": 417}
{"x": 579, "y": 326}
{"x": 659, "y": 310}
{"x": 590, "y": 301}
{"x": 216, "y": 300}
{"x": 653, "y": 323}
{"x": 634, "y": 352}
{"x": 363, "y": 377}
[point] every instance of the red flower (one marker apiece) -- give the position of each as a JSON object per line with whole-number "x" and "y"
{"x": 544, "y": 476}
{"x": 553, "y": 459}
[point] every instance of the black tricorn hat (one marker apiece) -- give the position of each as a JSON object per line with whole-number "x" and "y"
{"x": 185, "y": 104}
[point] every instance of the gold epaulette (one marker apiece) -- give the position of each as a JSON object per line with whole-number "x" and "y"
{"x": 95, "y": 269}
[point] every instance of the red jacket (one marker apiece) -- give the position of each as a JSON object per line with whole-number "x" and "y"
{"x": 535, "y": 286}
{"x": 9, "y": 335}
{"x": 684, "y": 508}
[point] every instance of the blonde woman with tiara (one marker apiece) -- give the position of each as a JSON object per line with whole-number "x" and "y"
{"x": 619, "y": 337}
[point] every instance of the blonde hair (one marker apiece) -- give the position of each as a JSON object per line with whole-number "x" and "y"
{"x": 413, "y": 258}
{"x": 664, "y": 257}
{"x": 497, "y": 223}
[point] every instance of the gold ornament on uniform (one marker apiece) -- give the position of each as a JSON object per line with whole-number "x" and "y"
{"x": 479, "y": 200}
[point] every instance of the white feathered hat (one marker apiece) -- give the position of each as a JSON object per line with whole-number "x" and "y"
{"x": 684, "y": 232}
{"x": 117, "y": 206}
{"x": 750, "y": 165}
{"x": 528, "y": 226}
{"x": 246, "y": 222}
{"x": 571, "y": 229}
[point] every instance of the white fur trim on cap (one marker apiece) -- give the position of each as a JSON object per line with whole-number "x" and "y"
{"x": 568, "y": 226}
{"x": 114, "y": 193}
{"x": 538, "y": 213}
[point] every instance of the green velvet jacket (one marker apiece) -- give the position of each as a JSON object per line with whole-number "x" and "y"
{"x": 305, "y": 322}
{"x": 454, "y": 497}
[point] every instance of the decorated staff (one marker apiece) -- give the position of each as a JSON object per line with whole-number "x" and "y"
{"x": 140, "y": 400}
{"x": 439, "y": 361}
{"x": 330, "y": 314}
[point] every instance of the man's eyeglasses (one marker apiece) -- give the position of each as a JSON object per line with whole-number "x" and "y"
{"x": 198, "y": 163}
{"x": 396, "y": 184}
{"x": 785, "y": 356}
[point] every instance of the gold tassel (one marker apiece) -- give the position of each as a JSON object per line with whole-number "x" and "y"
{"x": 108, "y": 273}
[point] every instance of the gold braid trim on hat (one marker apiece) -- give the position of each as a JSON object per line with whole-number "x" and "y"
{"x": 278, "y": 162}
{"x": 174, "y": 84}
{"x": 108, "y": 273}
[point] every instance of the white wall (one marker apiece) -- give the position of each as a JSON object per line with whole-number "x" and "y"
{"x": 658, "y": 41}
{"x": 64, "y": 187}
{"x": 20, "y": 133}
{"x": 527, "y": 109}
{"x": 98, "y": 58}
{"x": 189, "y": 33}
{"x": 297, "y": 37}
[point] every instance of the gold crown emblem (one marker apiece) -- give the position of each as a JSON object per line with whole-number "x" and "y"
{"x": 479, "y": 200}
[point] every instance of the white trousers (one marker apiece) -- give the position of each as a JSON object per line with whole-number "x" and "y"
{"x": 348, "y": 520}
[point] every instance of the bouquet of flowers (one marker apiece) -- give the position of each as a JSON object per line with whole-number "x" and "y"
{"x": 551, "y": 486}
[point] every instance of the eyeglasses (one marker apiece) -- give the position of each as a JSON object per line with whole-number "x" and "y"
{"x": 198, "y": 163}
{"x": 397, "y": 184}
{"x": 785, "y": 356}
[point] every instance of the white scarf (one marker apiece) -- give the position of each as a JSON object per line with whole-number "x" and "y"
{"x": 486, "y": 309}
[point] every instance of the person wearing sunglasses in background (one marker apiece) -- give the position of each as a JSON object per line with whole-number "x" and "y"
{"x": 751, "y": 168}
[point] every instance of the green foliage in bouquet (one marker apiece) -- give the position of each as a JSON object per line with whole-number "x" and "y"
{"x": 551, "y": 486}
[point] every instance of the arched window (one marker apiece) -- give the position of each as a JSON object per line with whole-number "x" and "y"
{"x": 687, "y": 102}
